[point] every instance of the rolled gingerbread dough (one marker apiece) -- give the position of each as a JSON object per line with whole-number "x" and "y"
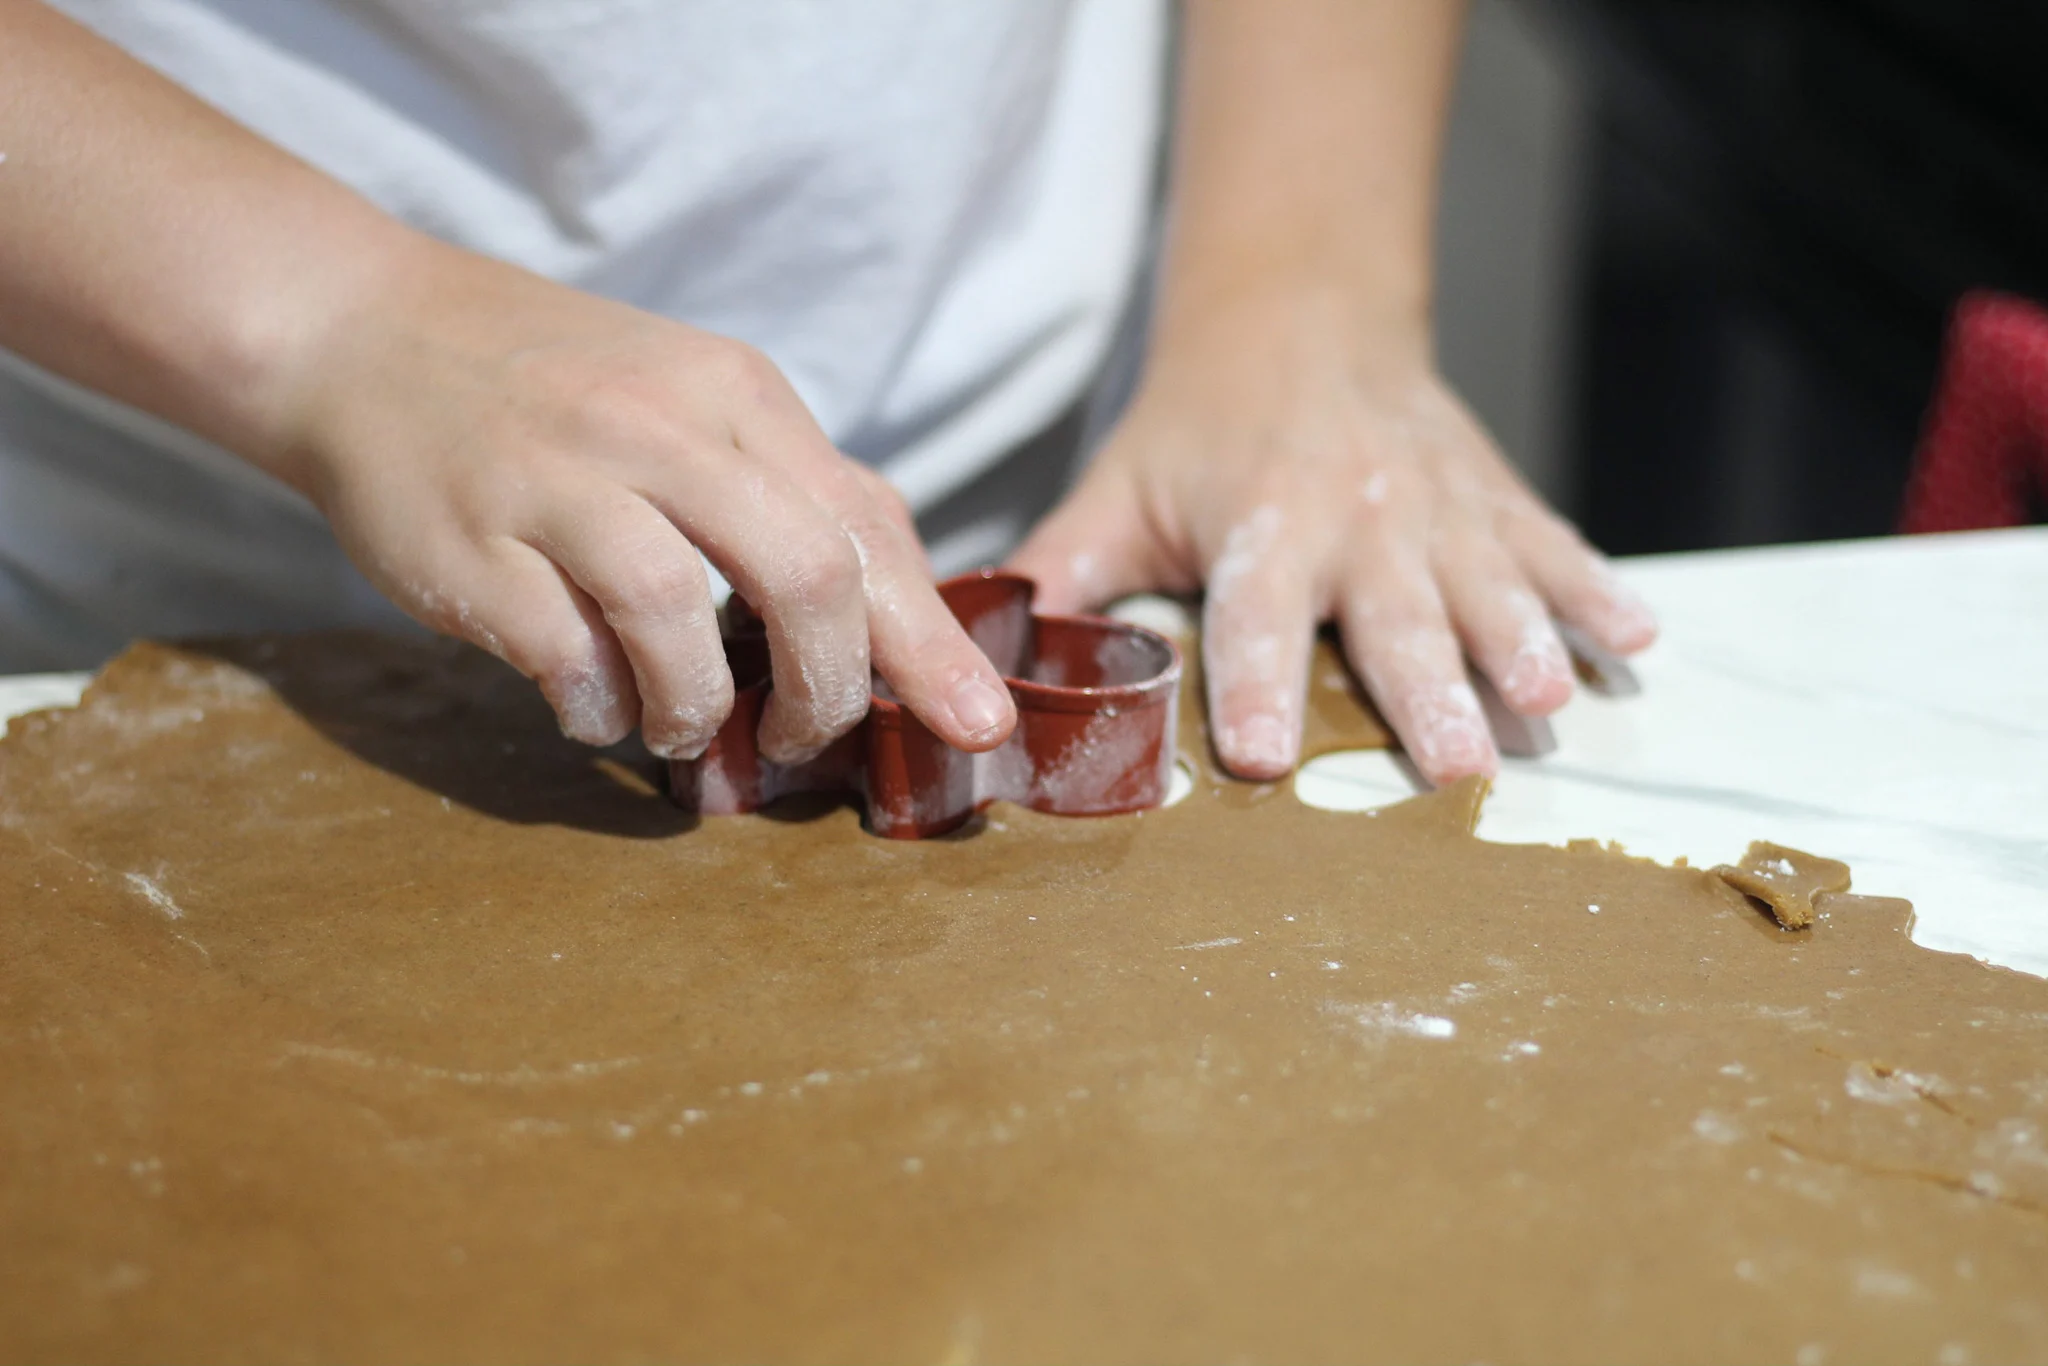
{"x": 347, "y": 1012}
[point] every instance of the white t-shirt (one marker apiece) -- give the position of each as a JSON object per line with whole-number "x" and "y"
{"x": 929, "y": 213}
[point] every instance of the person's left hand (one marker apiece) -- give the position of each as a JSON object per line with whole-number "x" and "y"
{"x": 1303, "y": 468}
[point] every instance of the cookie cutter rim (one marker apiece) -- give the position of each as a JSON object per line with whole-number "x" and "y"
{"x": 1039, "y": 776}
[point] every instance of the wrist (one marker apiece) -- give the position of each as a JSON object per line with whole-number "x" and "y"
{"x": 1295, "y": 314}
{"x": 282, "y": 337}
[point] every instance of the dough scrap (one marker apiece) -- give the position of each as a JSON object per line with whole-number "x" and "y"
{"x": 348, "y": 1012}
{"x": 1786, "y": 881}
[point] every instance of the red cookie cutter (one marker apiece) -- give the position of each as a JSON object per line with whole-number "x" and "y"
{"x": 1097, "y": 706}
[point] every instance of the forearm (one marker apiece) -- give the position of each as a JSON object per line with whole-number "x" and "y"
{"x": 1309, "y": 137}
{"x": 155, "y": 250}
{"x": 538, "y": 470}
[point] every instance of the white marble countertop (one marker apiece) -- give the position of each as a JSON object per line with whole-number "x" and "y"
{"x": 1881, "y": 702}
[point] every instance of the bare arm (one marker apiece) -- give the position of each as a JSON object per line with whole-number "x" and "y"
{"x": 1309, "y": 141}
{"x": 156, "y": 250}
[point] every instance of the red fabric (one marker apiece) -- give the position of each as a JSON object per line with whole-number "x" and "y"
{"x": 1983, "y": 459}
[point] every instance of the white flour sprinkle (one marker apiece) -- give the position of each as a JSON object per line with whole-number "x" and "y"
{"x": 155, "y": 895}
{"x": 1243, "y": 548}
{"x": 1884, "y": 1283}
{"x": 1386, "y": 1019}
{"x": 1715, "y": 1127}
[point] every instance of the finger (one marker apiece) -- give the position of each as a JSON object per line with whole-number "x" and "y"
{"x": 1398, "y": 637}
{"x": 933, "y": 665}
{"x": 800, "y": 572}
{"x": 1095, "y": 547}
{"x": 511, "y": 600}
{"x": 890, "y": 502}
{"x": 796, "y": 570}
{"x": 746, "y": 507}
{"x": 1504, "y": 625}
{"x": 1258, "y": 621}
{"x": 1580, "y": 585}
{"x": 650, "y": 585}
{"x": 916, "y": 642}
{"x": 913, "y": 639}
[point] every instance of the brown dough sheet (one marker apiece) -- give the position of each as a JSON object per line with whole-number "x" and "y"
{"x": 349, "y": 1013}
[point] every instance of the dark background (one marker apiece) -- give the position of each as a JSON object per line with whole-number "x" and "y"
{"x": 1753, "y": 219}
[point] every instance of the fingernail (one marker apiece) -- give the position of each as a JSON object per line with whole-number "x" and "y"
{"x": 1631, "y": 624}
{"x": 979, "y": 707}
{"x": 1261, "y": 742}
{"x": 1452, "y": 738}
{"x": 1539, "y": 676}
{"x": 1461, "y": 751}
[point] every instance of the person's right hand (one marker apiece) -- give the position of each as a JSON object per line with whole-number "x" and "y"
{"x": 534, "y": 469}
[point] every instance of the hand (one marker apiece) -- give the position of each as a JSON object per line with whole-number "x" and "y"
{"x": 1304, "y": 468}
{"x": 534, "y": 469}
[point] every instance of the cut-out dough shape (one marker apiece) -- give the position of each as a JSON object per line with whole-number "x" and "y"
{"x": 1786, "y": 881}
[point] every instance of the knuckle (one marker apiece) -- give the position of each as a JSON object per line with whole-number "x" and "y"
{"x": 1397, "y": 619}
{"x": 1458, "y": 541}
{"x": 820, "y": 572}
{"x": 649, "y": 586}
{"x": 741, "y": 372}
{"x": 1493, "y": 574}
{"x": 1473, "y": 565}
{"x": 1388, "y": 579}
{"x": 885, "y": 494}
{"x": 612, "y": 408}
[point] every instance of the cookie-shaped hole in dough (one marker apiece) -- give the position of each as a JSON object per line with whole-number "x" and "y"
{"x": 1354, "y": 780}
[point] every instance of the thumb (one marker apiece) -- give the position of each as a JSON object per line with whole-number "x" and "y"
{"x": 1095, "y": 547}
